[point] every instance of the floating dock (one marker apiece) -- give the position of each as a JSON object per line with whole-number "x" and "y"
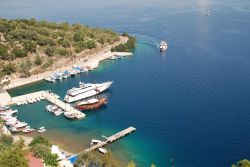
{"x": 111, "y": 139}
{"x": 49, "y": 96}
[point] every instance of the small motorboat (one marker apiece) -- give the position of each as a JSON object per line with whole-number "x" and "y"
{"x": 102, "y": 150}
{"x": 92, "y": 103}
{"x": 50, "y": 79}
{"x": 113, "y": 57}
{"x": 41, "y": 130}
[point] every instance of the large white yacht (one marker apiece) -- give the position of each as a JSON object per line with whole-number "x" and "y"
{"x": 163, "y": 45}
{"x": 85, "y": 90}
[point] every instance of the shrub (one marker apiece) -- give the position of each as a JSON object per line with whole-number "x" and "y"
{"x": 4, "y": 55}
{"x": 49, "y": 51}
{"x": 8, "y": 69}
{"x": 18, "y": 52}
{"x": 38, "y": 60}
{"x": 40, "y": 140}
{"x": 30, "y": 46}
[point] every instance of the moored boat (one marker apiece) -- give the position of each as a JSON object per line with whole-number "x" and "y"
{"x": 86, "y": 90}
{"x": 91, "y": 103}
{"x": 41, "y": 130}
{"x": 74, "y": 115}
{"x": 102, "y": 150}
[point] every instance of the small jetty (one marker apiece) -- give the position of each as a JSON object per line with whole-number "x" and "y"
{"x": 111, "y": 139}
{"x": 50, "y": 97}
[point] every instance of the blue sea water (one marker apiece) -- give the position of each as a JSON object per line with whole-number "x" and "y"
{"x": 191, "y": 103}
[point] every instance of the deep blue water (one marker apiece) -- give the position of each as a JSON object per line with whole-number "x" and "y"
{"x": 191, "y": 104}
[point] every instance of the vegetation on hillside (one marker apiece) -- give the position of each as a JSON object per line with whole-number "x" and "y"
{"x": 127, "y": 47}
{"x": 93, "y": 159}
{"x": 42, "y": 149}
{"x": 23, "y": 39}
{"x": 242, "y": 163}
{"x": 12, "y": 154}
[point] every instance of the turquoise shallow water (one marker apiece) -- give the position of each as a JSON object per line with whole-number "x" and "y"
{"x": 191, "y": 104}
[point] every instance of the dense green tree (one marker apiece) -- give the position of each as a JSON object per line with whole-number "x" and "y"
{"x": 42, "y": 149}
{"x": 51, "y": 160}
{"x": 40, "y": 140}
{"x": 13, "y": 157}
{"x": 127, "y": 47}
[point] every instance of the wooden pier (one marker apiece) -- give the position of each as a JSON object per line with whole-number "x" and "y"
{"x": 50, "y": 97}
{"x": 111, "y": 139}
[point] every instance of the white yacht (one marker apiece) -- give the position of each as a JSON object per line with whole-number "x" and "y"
{"x": 86, "y": 90}
{"x": 163, "y": 46}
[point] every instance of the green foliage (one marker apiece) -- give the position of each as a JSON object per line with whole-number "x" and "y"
{"x": 43, "y": 40}
{"x": 106, "y": 160}
{"x": 5, "y": 141}
{"x": 7, "y": 69}
{"x": 49, "y": 51}
{"x": 42, "y": 149}
{"x": 90, "y": 44}
{"x": 131, "y": 164}
{"x": 13, "y": 157}
{"x": 127, "y": 47}
{"x": 242, "y": 163}
{"x": 4, "y": 55}
{"x": 79, "y": 46}
{"x": 78, "y": 36}
{"x": 30, "y": 46}
{"x": 38, "y": 60}
{"x": 25, "y": 66}
{"x": 51, "y": 160}
{"x": 40, "y": 140}
{"x": 63, "y": 52}
{"x": 48, "y": 64}
{"x": 18, "y": 52}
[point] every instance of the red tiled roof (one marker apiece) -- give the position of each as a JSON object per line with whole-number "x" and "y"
{"x": 33, "y": 161}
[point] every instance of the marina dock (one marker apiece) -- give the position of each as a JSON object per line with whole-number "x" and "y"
{"x": 111, "y": 139}
{"x": 49, "y": 96}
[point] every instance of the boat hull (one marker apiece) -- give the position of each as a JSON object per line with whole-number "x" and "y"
{"x": 101, "y": 102}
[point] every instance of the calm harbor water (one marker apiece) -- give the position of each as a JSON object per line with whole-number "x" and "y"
{"x": 191, "y": 104}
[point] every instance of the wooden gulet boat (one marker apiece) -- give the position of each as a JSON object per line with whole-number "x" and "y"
{"x": 91, "y": 104}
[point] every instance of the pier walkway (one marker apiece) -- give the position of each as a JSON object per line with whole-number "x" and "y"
{"x": 50, "y": 97}
{"x": 111, "y": 139}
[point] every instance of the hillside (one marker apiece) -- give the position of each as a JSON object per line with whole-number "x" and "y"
{"x": 30, "y": 46}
